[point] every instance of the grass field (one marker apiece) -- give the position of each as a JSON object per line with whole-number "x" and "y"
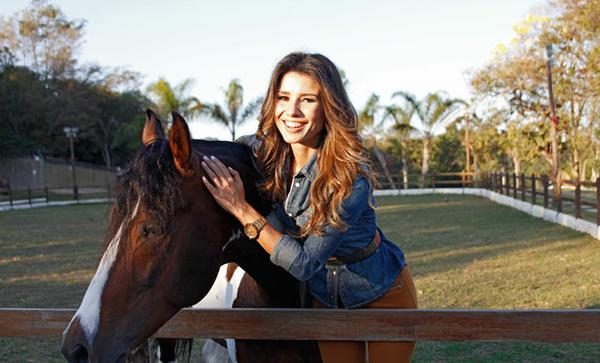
{"x": 464, "y": 252}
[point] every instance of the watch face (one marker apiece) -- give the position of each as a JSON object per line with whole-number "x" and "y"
{"x": 250, "y": 230}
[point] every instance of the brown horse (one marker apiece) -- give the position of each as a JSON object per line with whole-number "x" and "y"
{"x": 167, "y": 238}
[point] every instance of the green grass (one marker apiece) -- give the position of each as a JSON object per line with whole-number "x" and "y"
{"x": 464, "y": 252}
{"x": 468, "y": 252}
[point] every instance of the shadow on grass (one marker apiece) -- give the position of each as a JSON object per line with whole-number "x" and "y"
{"x": 42, "y": 293}
{"x": 440, "y": 232}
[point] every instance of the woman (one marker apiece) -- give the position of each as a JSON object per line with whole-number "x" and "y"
{"x": 323, "y": 229}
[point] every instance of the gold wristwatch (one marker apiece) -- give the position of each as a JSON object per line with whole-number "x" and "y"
{"x": 252, "y": 230}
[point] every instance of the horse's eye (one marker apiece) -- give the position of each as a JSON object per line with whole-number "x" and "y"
{"x": 146, "y": 230}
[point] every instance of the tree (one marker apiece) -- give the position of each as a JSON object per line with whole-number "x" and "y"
{"x": 234, "y": 114}
{"x": 448, "y": 152}
{"x": 42, "y": 90}
{"x": 168, "y": 98}
{"x": 434, "y": 112}
{"x": 575, "y": 37}
{"x": 369, "y": 127}
{"x": 486, "y": 142}
{"x": 43, "y": 39}
{"x": 521, "y": 76}
{"x": 401, "y": 116}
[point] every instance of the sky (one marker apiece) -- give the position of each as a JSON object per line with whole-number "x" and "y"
{"x": 383, "y": 46}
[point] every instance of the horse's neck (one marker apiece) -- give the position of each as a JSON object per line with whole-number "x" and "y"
{"x": 239, "y": 157}
{"x": 281, "y": 287}
{"x": 249, "y": 255}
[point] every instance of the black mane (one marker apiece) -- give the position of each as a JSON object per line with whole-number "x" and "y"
{"x": 152, "y": 178}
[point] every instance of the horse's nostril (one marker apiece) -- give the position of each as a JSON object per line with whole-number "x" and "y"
{"x": 79, "y": 354}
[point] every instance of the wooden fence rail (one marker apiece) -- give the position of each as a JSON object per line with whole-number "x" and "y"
{"x": 15, "y": 198}
{"x": 531, "y": 187}
{"x": 579, "y": 195}
{"x": 553, "y": 326}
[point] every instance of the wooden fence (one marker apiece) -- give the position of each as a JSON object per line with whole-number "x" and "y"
{"x": 554, "y": 326}
{"x": 431, "y": 180}
{"x": 538, "y": 190}
{"x": 573, "y": 198}
{"x": 14, "y": 198}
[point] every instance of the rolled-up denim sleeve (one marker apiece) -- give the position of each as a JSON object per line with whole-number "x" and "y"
{"x": 303, "y": 260}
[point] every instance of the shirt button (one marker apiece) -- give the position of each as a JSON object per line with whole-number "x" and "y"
{"x": 297, "y": 184}
{"x": 290, "y": 214}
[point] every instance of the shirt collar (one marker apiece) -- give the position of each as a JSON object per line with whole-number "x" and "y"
{"x": 310, "y": 168}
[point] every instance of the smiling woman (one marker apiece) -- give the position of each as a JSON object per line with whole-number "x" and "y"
{"x": 323, "y": 229}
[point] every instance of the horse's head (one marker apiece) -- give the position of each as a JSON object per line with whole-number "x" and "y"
{"x": 163, "y": 249}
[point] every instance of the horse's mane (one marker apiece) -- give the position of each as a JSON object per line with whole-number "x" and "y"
{"x": 151, "y": 178}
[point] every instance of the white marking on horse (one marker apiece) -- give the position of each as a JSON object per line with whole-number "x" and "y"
{"x": 222, "y": 294}
{"x": 234, "y": 235}
{"x": 89, "y": 310}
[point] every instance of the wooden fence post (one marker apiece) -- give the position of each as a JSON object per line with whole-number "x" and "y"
{"x": 507, "y": 183}
{"x": 522, "y": 186}
{"x": 514, "y": 178}
{"x": 545, "y": 182}
{"x": 496, "y": 182}
{"x": 10, "y": 197}
{"x": 433, "y": 181}
{"x": 598, "y": 201}
{"x": 46, "y": 194}
{"x": 577, "y": 199}
{"x": 29, "y": 195}
{"x": 559, "y": 201}
{"x": 533, "y": 191}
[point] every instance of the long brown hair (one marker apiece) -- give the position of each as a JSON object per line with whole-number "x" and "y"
{"x": 342, "y": 156}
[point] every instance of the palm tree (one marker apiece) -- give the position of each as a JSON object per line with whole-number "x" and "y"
{"x": 230, "y": 115}
{"x": 434, "y": 112}
{"x": 368, "y": 127}
{"x": 401, "y": 115}
{"x": 168, "y": 98}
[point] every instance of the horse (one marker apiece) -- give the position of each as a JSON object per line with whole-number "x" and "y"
{"x": 166, "y": 240}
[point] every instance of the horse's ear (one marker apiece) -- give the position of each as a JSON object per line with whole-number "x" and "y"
{"x": 181, "y": 145}
{"x": 152, "y": 128}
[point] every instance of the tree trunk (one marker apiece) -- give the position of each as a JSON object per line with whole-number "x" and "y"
{"x": 517, "y": 165}
{"x": 425, "y": 160}
{"x": 475, "y": 162}
{"x": 381, "y": 158}
{"x": 576, "y": 164}
{"x": 404, "y": 171}
{"x": 232, "y": 129}
{"x": 107, "y": 155}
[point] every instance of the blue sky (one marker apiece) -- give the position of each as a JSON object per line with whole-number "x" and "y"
{"x": 383, "y": 46}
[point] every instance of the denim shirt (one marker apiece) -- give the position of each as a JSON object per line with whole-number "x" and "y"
{"x": 349, "y": 285}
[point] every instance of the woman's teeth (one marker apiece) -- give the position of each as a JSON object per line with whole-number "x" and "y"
{"x": 292, "y": 124}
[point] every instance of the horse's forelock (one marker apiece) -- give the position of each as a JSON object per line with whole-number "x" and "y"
{"x": 151, "y": 179}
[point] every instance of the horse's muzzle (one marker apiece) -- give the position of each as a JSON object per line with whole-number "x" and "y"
{"x": 76, "y": 348}
{"x": 74, "y": 345}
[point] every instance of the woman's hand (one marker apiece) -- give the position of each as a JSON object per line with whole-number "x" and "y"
{"x": 226, "y": 186}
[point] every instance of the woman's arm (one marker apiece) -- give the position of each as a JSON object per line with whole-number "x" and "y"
{"x": 226, "y": 186}
{"x": 301, "y": 260}
{"x": 304, "y": 260}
